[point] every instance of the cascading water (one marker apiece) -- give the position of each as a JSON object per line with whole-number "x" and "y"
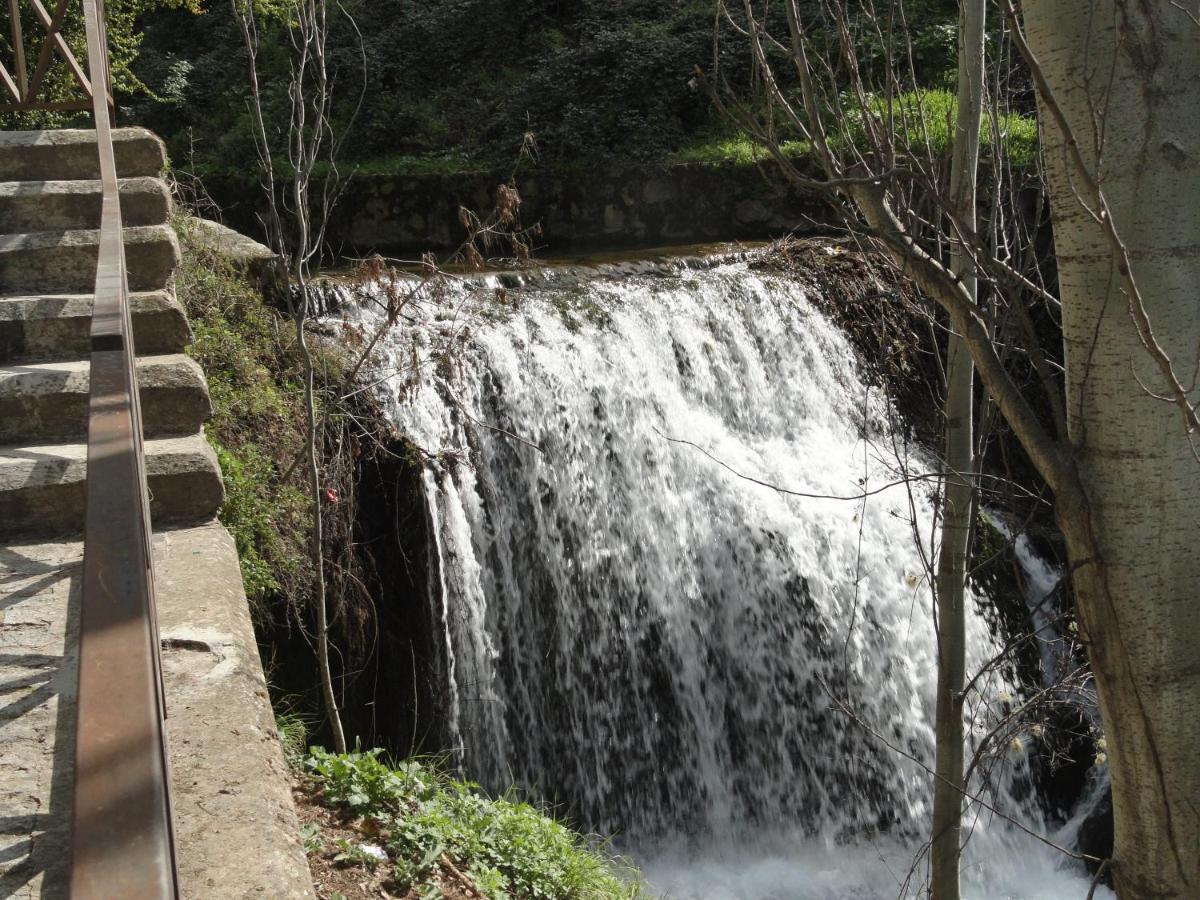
{"x": 637, "y": 627}
{"x": 1042, "y": 588}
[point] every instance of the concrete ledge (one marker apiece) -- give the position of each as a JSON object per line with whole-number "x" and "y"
{"x": 236, "y": 829}
{"x": 39, "y": 665}
{"x": 261, "y": 265}
{"x": 42, "y": 489}
{"x": 235, "y": 822}
{"x": 70, "y": 153}
{"x": 58, "y": 326}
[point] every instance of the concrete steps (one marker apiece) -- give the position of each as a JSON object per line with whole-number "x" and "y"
{"x": 50, "y": 208}
{"x": 57, "y": 326}
{"x": 65, "y": 261}
{"x": 42, "y": 402}
{"x": 70, "y": 154}
{"x": 236, "y": 828}
{"x": 62, "y": 205}
{"x": 42, "y": 487}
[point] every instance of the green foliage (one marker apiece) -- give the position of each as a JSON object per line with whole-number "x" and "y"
{"x": 451, "y": 86}
{"x": 926, "y": 119}
{"x": 923, "y": 122}
{"x": 448, "y": 80}
{"x": 248, "y": 513}
{"x": 310, "y": 838}
{"x": 507, "y": 847}
{"x": 737, "y": 149}
{"x": 359, "y": 781}
{"x": 293, "y": 736}
{"x": 929, "y": 27}
{"x": 58, "y": 85}
{"x": 257, "y": 423}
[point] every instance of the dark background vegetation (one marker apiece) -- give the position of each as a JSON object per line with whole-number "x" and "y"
{"x": 449, "y": 85}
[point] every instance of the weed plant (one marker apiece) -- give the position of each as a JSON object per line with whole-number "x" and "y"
{"x": 507, "y": 847}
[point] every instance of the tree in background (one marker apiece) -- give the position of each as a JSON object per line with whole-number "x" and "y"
{"x": 295, "y": 228}
{"x": 124, "y": 44}
{"x": 452, "y": 83}
{"x": 959, "y": 491}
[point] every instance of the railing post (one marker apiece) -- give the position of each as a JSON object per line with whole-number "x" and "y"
{"x": 18, "y": 41}
{"x": 24, "y": 89}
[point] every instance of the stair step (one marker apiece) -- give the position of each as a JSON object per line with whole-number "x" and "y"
{"x": 42, "y": 488}
{"x": 27, "y": 206}
{"x": 65, "y": 261}
{"x": 58, "y": 326}
{"x": 68, "y": 154}
{"x": 42, "y": 402}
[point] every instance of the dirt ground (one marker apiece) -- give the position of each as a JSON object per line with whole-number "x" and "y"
{"x": 344, "y": 880}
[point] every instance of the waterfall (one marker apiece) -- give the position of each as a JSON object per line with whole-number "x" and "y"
{"x": 1041, "y": 581}
{"x": 639, "y": 626}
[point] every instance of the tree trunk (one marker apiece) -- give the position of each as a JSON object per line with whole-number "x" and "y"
{"x": 1124, "y": 76}
{"x": 958, "y": 505}
{"x": 316, "y": 548}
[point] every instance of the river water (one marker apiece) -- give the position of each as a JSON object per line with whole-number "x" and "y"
{"x": 637, "y": 625}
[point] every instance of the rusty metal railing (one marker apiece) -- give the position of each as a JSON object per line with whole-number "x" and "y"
{"x": 122, "y": 836}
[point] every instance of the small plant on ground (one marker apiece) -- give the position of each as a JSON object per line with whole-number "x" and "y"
{"x": 293, "y": 737}
{"x": 434, "y": 827}
{"x": 361, "y": 782}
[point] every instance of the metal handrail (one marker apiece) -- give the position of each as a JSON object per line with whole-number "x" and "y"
{"x": 122, "y": 833}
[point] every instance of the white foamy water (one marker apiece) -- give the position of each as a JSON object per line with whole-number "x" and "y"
{"x": 638, "y": 632}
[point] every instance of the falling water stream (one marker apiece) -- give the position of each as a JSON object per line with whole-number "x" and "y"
{"x": 636, "y": 625}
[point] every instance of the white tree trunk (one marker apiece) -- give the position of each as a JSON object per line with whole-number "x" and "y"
{"x": 958, "y": 505}
{"x": 1125, "y": 76}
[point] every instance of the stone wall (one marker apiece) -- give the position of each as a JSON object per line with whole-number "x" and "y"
{"x": 577, "y": 208}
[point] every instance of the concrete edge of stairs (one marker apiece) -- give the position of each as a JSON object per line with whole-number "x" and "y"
{"x": 236, "y": 828}
{"x": 42, "y": 402}
{"x": 60, "y": 205}
{"x": 65, "y": 261}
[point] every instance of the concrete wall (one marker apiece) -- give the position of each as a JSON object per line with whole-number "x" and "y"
{"x": 577, "y": 208}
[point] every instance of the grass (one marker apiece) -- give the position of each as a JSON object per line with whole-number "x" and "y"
{"x": 921, "y": 120}
{"x": 928, "y": 115}
{"x": 426, "y": 818}
{"x": 738, "y": 150}
{"x": 293, "y": 731}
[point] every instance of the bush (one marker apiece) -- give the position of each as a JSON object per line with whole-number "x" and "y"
{"x": 506, "y": 847}
{"x": 257, "y": 424}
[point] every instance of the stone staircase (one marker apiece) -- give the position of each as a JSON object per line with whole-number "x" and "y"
{"x": 50, "y": 209}
{"x": 235, "y": 825}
